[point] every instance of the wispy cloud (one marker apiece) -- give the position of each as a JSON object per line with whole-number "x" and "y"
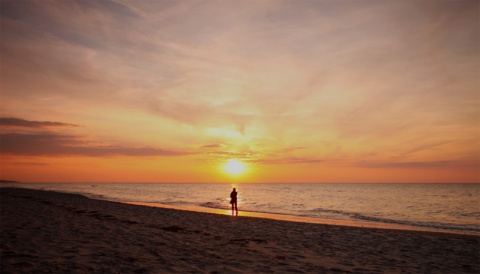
{"x": 17, "y": 122}
{"x": 67, "y": 145}
{"x": 30, "y": 164}
{"x": 288, "y": 160}
{"x": 423, "y": 147}
{"x": 210, "y": 146}
{"x": 405, "y": 165}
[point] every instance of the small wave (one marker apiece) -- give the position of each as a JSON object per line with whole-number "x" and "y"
{"x": 174, "y": 202}
{"x": 359, "y": 216}
{"x": 332, "y": 211}
{"x": 215, "y": 205}
{"x": 420, "y": 224}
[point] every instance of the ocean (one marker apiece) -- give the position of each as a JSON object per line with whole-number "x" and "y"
{"x": 436, "y": 206}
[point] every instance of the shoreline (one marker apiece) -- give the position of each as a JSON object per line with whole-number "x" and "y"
{"x": 46, "y": 231}
{"x": 313, "y": 220}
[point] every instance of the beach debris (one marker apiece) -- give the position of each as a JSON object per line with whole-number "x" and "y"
{"x": 244, "y": 241}
{"x": 173, "y": 228}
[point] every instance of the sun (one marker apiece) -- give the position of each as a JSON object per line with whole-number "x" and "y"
{"x": 234, "y": 167}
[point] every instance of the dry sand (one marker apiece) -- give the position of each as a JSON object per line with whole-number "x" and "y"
{"x": 49, "y": 232}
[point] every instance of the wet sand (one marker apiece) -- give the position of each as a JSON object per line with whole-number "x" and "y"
{"x": 50, "y": 232}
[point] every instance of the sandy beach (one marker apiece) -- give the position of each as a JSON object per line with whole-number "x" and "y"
{"x": 50, "y": 232}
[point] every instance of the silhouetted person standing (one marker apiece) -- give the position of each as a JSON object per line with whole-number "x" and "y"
{"x": 233, "y": 201}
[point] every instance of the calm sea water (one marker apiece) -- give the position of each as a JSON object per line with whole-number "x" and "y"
{"x": 447, "y": 206}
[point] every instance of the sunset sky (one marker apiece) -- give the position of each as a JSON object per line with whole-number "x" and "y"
{"x": 297, "y": 91}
